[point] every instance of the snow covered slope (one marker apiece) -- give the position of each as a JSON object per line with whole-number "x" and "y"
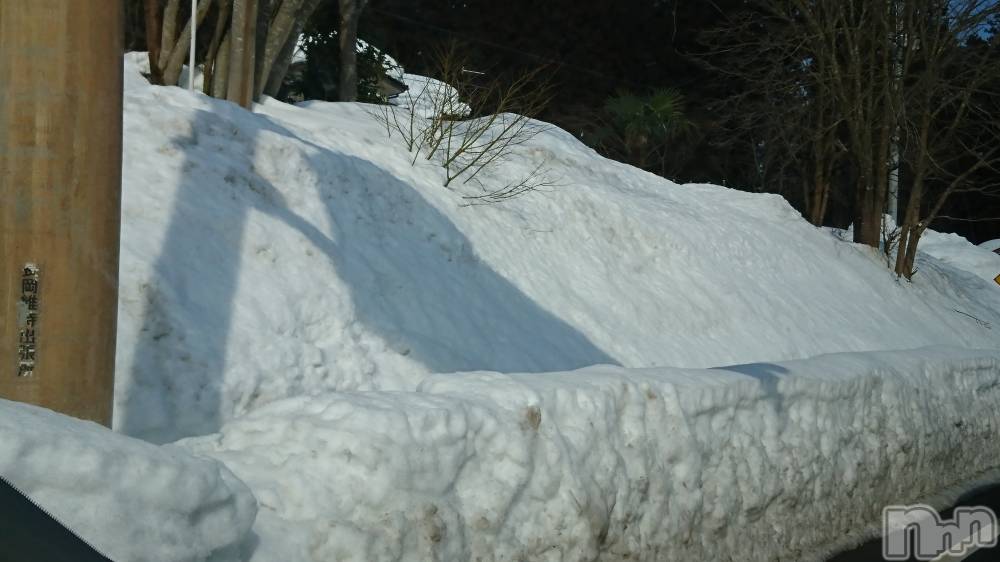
{"x": 294, "y": 250}
{"x": 299, "y": 301}
{"x": 767, "y": 462}
{"x": 958, "y": 252}
{"x": 133, "y": 501}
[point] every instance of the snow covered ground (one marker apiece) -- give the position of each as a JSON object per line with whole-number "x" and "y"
{"x": 991, "y": 245}
{"x": 302, "y": 304}
{"x": 293, "y": 251}
{"x": 770, "y": 461}
{"x": 133, "y": 501}
{"x": 956, "y": 251}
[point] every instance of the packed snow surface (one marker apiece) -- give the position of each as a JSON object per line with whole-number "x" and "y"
{"x": 133, "y": 501}
{"x": 760, "y": 462}
{"x": 958, "y": 252}
{"x": 297, "y": 250}
{"x": 991, "y": 245}
{"x": 427, "y": 96}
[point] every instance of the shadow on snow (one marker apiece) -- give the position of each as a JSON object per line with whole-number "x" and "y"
{"x": 415, "y": 279}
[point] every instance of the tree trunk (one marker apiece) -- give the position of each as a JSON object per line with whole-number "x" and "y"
{"x": 823, "y": 162}
{"x": 910, "y": 257}
{"x": 868, "y": 207}
{"x": 265, "y": 8}
{"x": 242, "y": 54}
{"x": 251, "y": 47}
{"x": 863, "y": 205}
{"x": 880, "y": 194}
{"x": 169, "y": 35}
{"x": 910, "y": 229}
{"x": 175, "y": 59}
{"x": 277, "y": 38}
{"x": 818, "y": 199}
{"x": 350, "y": 14}
{"x": 283, "y": 61}
{"x": 220, "y": 77}
{"x": 212, "y": 58}
{"x": 154, "y": 26}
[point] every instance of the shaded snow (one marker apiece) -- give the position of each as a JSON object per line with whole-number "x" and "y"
{"x": 133, "y": 501}
{"x": 958, "y": 252}
{"x": 991, "y": 245}
{"x": 776, "y": 461}
{"x": 294, "y": 251}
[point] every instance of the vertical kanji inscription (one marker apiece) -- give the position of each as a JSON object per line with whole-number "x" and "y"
{"x": 27, "y": 320}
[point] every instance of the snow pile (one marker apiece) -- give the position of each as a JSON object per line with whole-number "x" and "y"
{"x": 389, "y": 64}
{"x": 133, "y": 501}
{"x": 427, "y": 97}
{"x": 778, "y": 461}
{"x": 958, "y": 252}
{"x": 295, "y": 250}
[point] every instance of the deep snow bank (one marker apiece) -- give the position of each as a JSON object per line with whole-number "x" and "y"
{"x": 294, "y": 250}
{"x": 777, "y": 461}
{"x": 133, "y": 501}
{"x": 991, "y": 245}
{"x": 958, "y": 252}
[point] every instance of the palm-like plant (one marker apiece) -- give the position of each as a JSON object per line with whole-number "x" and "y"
{"x": 640, "y": 129}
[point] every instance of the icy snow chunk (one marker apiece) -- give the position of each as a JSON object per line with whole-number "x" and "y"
{"x": 131, "y": 500}
{"x": 428, "y": 96}
{"x": 751, "y": 462}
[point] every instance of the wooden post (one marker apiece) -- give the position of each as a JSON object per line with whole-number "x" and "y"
{"x": 60, "y": 190}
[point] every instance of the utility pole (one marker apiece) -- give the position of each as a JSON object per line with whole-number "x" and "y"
{"x": 60, "y": 188}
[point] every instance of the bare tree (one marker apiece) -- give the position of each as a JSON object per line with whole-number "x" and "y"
{"x": 279, "y": 45}
{"x": 951, "y": 111}
{"x": 469, "y": 128}
{"x": 217, "y": 58}
{"x": 851, "y": 45}
{"x": 168, "y": 37}
{"x": 782, "y": 113}
{"x": 350, "y": 16}
{"x": 834, "y": 84}
{"x": 251, "y": 46}
{"x": 154, "y": 26}
{"x": 172, "y": 61}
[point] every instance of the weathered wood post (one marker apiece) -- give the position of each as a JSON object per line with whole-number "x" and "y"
{"x": 60, "y": 190}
